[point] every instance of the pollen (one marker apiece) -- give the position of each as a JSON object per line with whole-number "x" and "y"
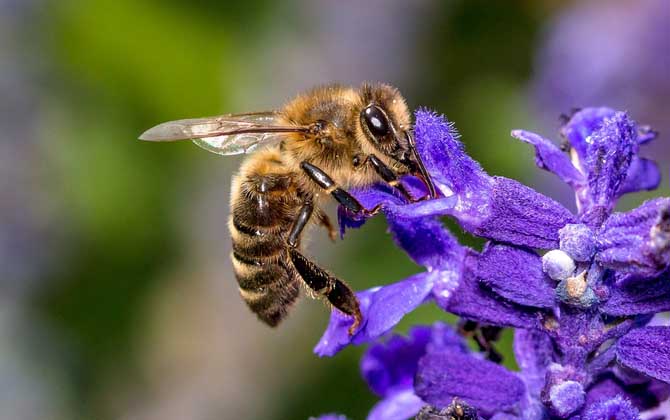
{"x": 576, "y": 286}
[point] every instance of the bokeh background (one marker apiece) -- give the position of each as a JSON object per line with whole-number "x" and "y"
{"x": 117, "y": 299}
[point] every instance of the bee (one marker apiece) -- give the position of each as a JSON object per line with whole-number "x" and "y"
{"x": 317, "y": 146}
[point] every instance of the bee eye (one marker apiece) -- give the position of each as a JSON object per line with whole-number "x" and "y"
{"x": 376, "y": 121}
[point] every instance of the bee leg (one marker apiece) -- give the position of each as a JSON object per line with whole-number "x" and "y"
{"x": 299, "y": 223}
{"x": 343, "y": 197}
{"x": 316, "y": 278}
{"x": 390, "y": 177}
{"x": 336, "y": 291}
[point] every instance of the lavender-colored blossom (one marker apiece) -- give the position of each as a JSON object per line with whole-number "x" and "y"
{"x": 616, "y": 408}
{"x": 402, "y": 372}
{"x": 607, "y": 52}
{"x": 329, "y": 416}
{"x": 389, "y": 368}
{"x": 578, "y": 288}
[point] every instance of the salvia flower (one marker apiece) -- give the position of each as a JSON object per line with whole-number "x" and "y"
{"x": 329, "y": 416}
{"x": 579, "y": 288}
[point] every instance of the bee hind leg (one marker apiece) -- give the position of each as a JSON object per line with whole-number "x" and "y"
{"x": 335, "y": 290}
{"x": 316, "y": 278}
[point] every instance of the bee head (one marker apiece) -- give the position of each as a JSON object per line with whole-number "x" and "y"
{"x": 386, "y": 125}
{"x": 384, "y": 120}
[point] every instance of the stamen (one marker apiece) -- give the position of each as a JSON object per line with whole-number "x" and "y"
{"x": 576, "y": 286}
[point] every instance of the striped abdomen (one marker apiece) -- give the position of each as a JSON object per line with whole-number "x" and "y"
{"x": 264, "y": 204}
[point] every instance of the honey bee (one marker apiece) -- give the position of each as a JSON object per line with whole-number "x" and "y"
{"x": 316, "y": 146}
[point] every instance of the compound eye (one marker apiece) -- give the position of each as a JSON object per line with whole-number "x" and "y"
{"x": 376, "y": 121}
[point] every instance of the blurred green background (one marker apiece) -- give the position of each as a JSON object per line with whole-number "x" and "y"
{"x": 118, "y": 300}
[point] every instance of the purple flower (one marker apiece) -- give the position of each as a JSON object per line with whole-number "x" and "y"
{"x": 607, "y": 52}
{"x": 575, "y": 67}
{"x": 402, "y": 372}
{"x": 616, "y": 408}
{"x": 329, "y": 416}
{"x": 579, "y": 306}
{"x": 389, "y": 368}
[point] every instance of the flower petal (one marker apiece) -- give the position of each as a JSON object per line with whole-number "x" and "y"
{"x": 647, "y": 350}
{"x": 382, "y": 308}
{"x": 609, "y": 152}
{"x": 391, "y": 366}
{"x": 336, "y": 337}
{"x": 604, "y": 389}
{"x": 617, "y": 408}
{"x": 606, "y": 143}
{"x": 582, "y": 125}
{"x": 492, "y": 207}
{"x": 452, "y": 170}
{"x": 468, "y": 298}
{"x": 398, "y": 406}
{"x": 393, "y": 205}
{"x": 644, "y": 396}
{"x": 551, "y": 158}
{"x": 484, "y": 385}
{"x": 391, "y": 303}
{"x": 637, "y": 242}
{"x": 643, "y": 175}
{"x": 515, "y": 274}
{"x": 533, "y": 354}
{"x": 427, "y": 242}
{"x": 639, "y": 297}
{"x": 521, "y": 216}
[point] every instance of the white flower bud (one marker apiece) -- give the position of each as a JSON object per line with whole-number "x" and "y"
{"x": 558, "y": 265}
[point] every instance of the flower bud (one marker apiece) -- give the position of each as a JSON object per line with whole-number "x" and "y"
{"x": 558, "y": 265}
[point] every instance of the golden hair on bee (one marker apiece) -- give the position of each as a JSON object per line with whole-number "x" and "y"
{"x": 319, "y": 144}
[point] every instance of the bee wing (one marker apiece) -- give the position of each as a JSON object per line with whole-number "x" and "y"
{"x": 225, "y": 134}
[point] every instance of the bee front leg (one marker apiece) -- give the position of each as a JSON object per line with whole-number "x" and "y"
{"x": 390, "y": 177}
{"x": 342, "y": 196}
{"x": 335, "y": 290}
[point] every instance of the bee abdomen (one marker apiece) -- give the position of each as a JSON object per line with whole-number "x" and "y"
{"x": 256, "y": 241}
{"x": 263, "y": 212}
{"x": 268, "y": 285}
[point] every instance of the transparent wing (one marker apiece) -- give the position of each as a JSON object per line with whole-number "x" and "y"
{"x": 225, "y": 134}
{"x": 235, "y": 144}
